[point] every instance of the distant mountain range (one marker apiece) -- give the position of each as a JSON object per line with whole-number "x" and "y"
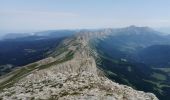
{"x": 133, "y": 56}
{"x": 45, "y": 34}
{"x": 21, "y": 49}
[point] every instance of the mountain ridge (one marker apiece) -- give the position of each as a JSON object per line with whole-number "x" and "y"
{"x": 69, "y": 73}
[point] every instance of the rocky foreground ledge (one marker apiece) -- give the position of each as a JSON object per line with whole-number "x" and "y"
{"x": 76, "y": 78}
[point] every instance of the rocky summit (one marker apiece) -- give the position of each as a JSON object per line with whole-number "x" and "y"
{"x": 69, "y": 73}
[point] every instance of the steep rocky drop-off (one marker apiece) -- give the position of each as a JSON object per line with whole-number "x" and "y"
{"x": 69, "y": 73}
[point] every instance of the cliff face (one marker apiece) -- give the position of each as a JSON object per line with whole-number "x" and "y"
{"x": 70, "y": 73}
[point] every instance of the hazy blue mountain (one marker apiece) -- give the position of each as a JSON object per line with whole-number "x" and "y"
{"x": 42, "y": 34}
{"x": 56, "y": 33}
{"x": 15, "y": 35}
{"x": 126, "y": 42}
{"x": 136, "y": 56}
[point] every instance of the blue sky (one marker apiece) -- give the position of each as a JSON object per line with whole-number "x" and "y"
{"x": 35, "y": 15}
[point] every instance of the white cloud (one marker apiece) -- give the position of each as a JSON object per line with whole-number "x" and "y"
{"x": 38, "y": 13}
{"x": 33, "y": 19}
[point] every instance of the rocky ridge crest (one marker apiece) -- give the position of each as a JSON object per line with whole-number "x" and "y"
{"x": 71, "y": 74}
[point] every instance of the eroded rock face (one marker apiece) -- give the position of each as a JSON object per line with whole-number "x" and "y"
{"x": 66, "y": 86}
{"x": 76, "y": 79}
